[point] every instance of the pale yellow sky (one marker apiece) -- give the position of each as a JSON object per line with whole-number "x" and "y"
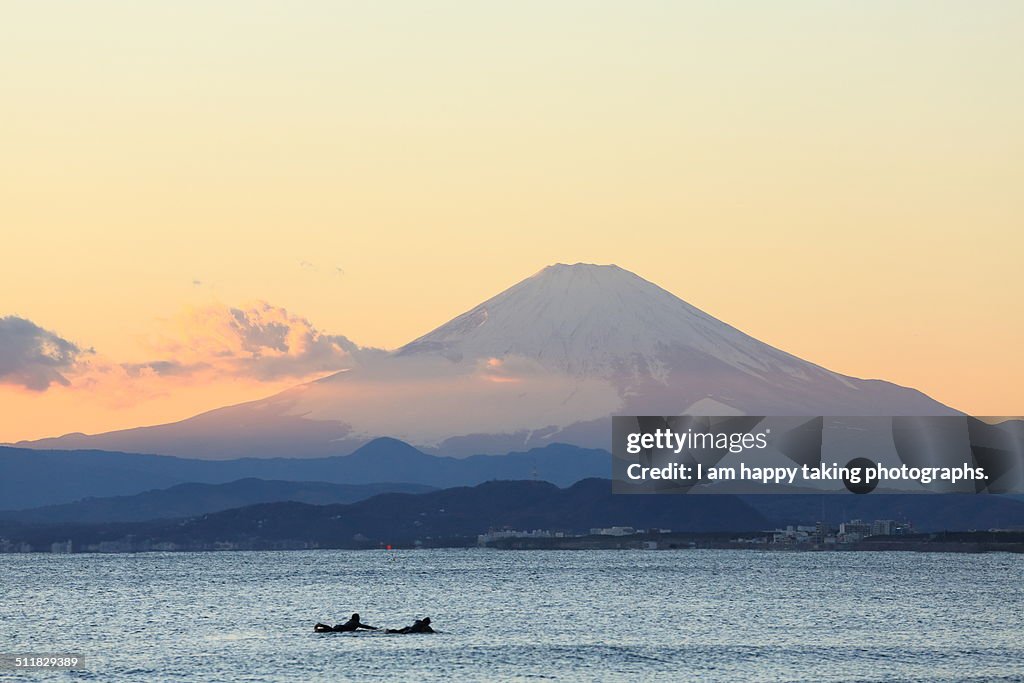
{"x": 841, "y": 180}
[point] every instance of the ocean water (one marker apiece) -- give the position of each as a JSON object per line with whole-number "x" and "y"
{"x": 558, "y": 615}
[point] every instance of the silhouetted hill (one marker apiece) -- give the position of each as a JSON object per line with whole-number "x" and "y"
{"x": 515, "y": 504}
{"x": 31, "y": 478}
{"x": 401, "y": 518}
{"x": 190, "y": 500}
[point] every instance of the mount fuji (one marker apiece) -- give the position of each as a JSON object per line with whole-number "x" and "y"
{"x": 548, "y": 360}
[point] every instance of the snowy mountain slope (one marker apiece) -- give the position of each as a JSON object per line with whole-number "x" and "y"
{"x": 595, "y": 320}
{"x": 547, "y": 360}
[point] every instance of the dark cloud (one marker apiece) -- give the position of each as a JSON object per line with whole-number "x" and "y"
{"x": 257, "y": 334}
{"x": 33, "y": 357}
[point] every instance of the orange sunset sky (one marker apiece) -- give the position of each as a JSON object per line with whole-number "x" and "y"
{"x": 204, "y": 203}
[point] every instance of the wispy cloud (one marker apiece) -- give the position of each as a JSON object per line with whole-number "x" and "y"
{"x": 310, "y": 266}
{"x": 161, "y": 368}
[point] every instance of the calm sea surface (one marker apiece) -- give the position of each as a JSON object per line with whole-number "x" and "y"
{"x": 573, "y": 615}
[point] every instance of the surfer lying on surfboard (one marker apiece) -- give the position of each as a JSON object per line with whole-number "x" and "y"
{"x": 418, "y": 626}
{"x": 351, "y": 625}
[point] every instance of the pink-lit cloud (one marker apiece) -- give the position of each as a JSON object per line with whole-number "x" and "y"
{"x": 254, "y": 343}
{"x": 259, "y": 341}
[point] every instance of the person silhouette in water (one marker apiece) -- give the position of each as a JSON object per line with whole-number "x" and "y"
{"x": 351, "y": 625}
{"x": 418, "y": 626}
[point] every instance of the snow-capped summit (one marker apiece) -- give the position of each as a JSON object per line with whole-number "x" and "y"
{"x": 600, "y": 320}
{"x": 548, "y": 360}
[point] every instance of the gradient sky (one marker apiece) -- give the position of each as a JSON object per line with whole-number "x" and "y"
{"x": 841, "y": 180}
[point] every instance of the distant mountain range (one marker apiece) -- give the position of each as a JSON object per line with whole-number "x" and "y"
{"x": 32, "y": 478}
{"x": 103, "y": 488}
{"x": 548, "y": 360}
{"x": 192, "y": 500}
{"x": 402, "y": 518}
{"x": 455, "y": 516}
